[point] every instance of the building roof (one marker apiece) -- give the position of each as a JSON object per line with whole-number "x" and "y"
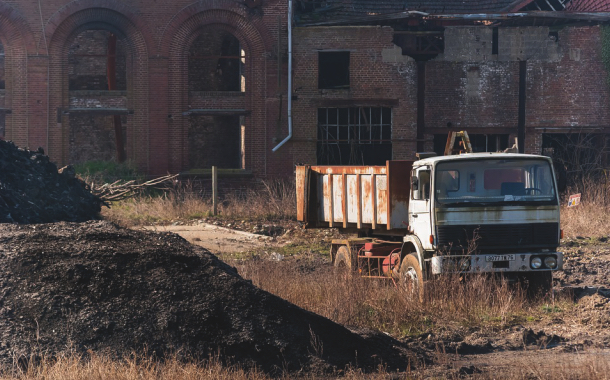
{"x": 588, "y": 6}
{"x": 354, "y": 8}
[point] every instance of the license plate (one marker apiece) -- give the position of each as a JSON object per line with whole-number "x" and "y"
{"x": 500, "y": 258}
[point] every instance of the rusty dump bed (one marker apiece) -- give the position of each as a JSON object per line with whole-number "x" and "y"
{"x": 362, "y": 197}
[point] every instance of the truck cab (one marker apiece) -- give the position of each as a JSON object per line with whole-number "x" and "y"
{"x": 486, "y": 212}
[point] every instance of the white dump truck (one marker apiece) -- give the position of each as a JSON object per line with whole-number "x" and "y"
{"x": 466, "y": 213}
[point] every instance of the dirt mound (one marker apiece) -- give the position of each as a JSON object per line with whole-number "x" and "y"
{"x": 94, "y": 286}
{"x": 33, "y": 191}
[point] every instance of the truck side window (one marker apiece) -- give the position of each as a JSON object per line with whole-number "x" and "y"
{"x": 423, "y": 190}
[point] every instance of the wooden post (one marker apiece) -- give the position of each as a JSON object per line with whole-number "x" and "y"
{"x": 214, "y": 191}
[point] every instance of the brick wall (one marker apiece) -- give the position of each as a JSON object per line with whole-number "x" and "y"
{"x": 468, "y": 86}
{"x": 379, "y": 76}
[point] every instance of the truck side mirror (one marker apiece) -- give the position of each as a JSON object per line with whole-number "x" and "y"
{"x": 414, "y": 183}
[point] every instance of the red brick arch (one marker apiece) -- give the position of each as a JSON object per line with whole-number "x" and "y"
{"x": 61, "y": 30}
{"x": 18, "y": 41}
{"x": 254, "y": 38}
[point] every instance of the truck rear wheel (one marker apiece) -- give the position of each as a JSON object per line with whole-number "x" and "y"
{"x": 343, "y": 259}
{"x": 411, "y": 277}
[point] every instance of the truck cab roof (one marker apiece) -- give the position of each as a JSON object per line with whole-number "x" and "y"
{"x": 477, "y": 156}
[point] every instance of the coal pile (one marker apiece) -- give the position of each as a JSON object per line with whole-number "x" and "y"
{"x": 96, "y": 287}
{"x": 32, "y": 190}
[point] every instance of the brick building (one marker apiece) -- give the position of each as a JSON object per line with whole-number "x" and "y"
{"x": 183, "y": 85}
{"x": 174, "y": 86}
{"x": 384, "y": 79}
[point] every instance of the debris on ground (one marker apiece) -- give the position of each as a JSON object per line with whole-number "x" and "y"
{"x": 32, "y": 190}
{"x": 96, "y": 287}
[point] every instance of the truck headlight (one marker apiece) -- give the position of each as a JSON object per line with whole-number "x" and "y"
{"x": 536, "y": 262}
{"x": 550, "y": 262}
{"x": 464, "y": 265}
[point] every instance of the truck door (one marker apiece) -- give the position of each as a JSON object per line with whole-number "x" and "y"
{"x": 419, "y": 205}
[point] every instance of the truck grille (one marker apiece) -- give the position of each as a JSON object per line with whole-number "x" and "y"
{"x": 498, "y": 236}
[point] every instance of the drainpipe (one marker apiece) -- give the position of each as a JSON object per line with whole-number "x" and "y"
{"x": 289, "y": 78}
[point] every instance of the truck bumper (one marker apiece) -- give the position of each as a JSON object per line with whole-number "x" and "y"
{"x": 492, "y": 263}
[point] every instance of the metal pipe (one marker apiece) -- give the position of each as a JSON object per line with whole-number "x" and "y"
{"x": 289, "y": 78}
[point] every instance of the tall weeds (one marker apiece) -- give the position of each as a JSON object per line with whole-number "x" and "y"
{"x": 271, "y": 200}
{"x": 381, "y": 304}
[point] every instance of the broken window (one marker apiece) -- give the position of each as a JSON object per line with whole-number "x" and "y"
{"x": 216, "y": 141}
{"x": 354, "y": 136}
{"x": 479, "y": 142}
{"x": 216, "y": 62}
{"x": 333, "y": 69}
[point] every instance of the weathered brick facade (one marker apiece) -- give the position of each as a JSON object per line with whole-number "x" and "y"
{"x": 201, "y": 83}
{"x": 56, "y": 96}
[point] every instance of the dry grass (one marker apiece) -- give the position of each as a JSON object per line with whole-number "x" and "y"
{"x": 592, "y": 216}
{"x": 271, "y": 200}
{"x": 382, "y": 305}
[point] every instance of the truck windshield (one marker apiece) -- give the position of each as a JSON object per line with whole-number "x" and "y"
{"x": 514, "y": 180}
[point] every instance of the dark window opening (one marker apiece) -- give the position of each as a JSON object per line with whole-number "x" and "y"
{"x": 333, "y": 70}
{"x": 216, "y": 141}
{"x": 216, "y": 62}
{"x": 97, "y": 62}
{"x": 577, "y": 156}
{"x": 494, "y": 40}
{"x": 2, "y": 95}
{"x": 354, "y": 136}
{"x": 2, "y": 75}
{"x": 420, "y": 45}
{"x": 479, "y": 142}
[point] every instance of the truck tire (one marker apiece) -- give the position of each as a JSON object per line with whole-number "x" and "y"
{"x": 343, "y": 259}
{"x": 538, "y": 284}
{"x": 411, "y": 277}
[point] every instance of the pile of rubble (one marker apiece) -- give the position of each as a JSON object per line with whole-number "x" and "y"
{"x": 32, "y": 190}
{"x": 95, "y": 287}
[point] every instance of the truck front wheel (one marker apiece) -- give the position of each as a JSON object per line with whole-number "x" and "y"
{"x": 411, "y": 277}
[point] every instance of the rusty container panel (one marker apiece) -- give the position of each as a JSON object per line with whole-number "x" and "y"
{"x": 399, "y": 190}
{"x": 302, "y": 185}
{"x": 381, "y": 198}
{"x": 352, "y": 196}
{"x": 338, "y": 201}
{"x": 367, "y": 199}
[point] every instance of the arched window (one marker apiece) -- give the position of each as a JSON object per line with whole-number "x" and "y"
{"x": 97, "y": 81}
{"x": 216, "y": 62}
